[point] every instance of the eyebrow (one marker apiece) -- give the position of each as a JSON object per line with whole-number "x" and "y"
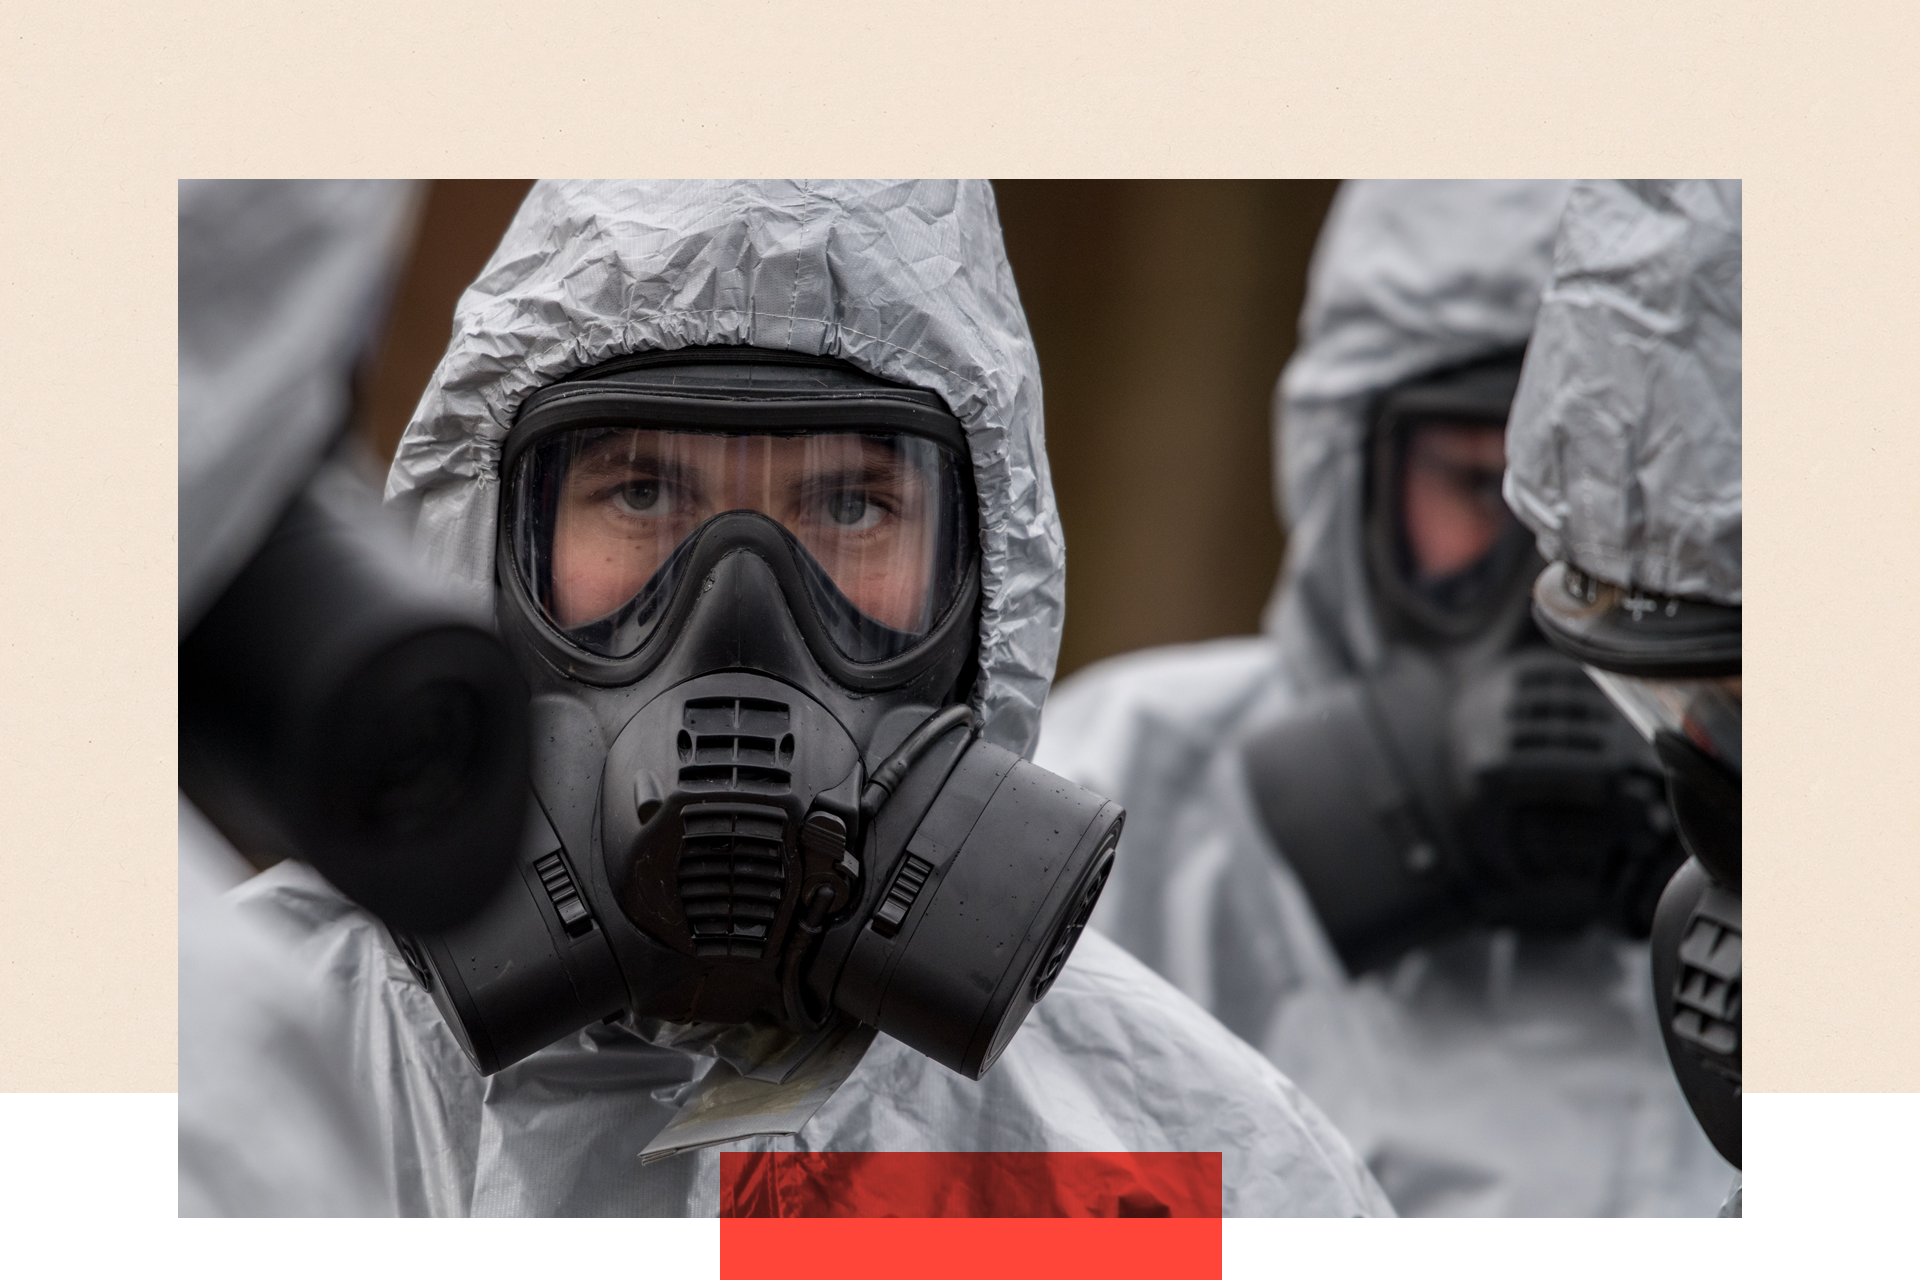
{"x": 863, "y": 472}
{"x": 602, "y": 457}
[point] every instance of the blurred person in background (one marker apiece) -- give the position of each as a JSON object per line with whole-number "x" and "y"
{"x": 779, "y": 444}
{"x": 277, "y": 282}
{"x": 1624, "y": 460}
{"x": 334, "y": 707}
{"x": 1401, "y": 844}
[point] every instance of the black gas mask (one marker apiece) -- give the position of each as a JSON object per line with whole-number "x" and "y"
{"x": 1475, "y": 777}
{"x": 745, "y": 588}
{"x": 1672, "y": 666}
{"x": 335, "y": 708}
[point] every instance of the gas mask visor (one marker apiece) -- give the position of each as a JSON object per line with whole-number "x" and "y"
{"x": 1443, "y": 550}
{"x": 603, "y": 511}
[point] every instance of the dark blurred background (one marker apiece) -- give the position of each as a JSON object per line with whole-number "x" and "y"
{"x": 1163, "y": 312}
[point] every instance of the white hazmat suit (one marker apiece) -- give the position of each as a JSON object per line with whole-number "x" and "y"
{"x": 1493, "y": 1075}
{"x": 909, "y": 282}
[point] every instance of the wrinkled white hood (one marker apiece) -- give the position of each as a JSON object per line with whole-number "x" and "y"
{"x": 1407, "y": 278}
{"x": 1624, "y": 451}
{"x": 906, "y": 280}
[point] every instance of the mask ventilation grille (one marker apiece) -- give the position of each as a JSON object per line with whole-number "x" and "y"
{"x": 733, "y": 864}
{"x": 736, "y": 744}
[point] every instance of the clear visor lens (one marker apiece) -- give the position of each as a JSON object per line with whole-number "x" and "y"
{"x": 1705, "y": 712}
{"x": 1456, "y": 537}
{"x": 599, "y": 513}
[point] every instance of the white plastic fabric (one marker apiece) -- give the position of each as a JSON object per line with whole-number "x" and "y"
{"x": 271, "y": 1124}
{"x": 910, "y": 282}
{"x": 278, "y": 283}
{"x": 905, "y": 280}
{"x": 1490, "y": 1076}
{"x": 1112, "y": 1060}
{"x": 1624, "y": 453}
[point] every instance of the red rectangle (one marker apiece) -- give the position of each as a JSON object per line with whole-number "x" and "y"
{"x": 969, "y": 1248}
{"x": 970, "y": 1184}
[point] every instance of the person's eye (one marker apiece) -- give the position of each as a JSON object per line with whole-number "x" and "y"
{"x": 643, "y": 498}
{"x": 851, "y": 510}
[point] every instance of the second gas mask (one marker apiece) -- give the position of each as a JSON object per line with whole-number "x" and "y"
{"x": 1672, "y": 666}
{"x": 745, "y": 588}
{"x": 1418, "y": 803}
{"x": 1474, "y": 777}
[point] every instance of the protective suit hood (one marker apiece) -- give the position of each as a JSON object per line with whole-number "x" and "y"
{"x": 1407, "y": 278}
{"x": 907, "y": 281}
{"x": 278, "y": 281}
{"x": 1624, "y": 451}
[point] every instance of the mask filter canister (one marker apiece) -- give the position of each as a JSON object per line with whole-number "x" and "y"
{"x": 975, "y": 916}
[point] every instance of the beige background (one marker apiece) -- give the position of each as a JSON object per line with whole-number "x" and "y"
{"x": 102, "y": 109}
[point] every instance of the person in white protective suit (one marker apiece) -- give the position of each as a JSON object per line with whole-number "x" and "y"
{"x": 753, "y": 476}
{"x": 276, "y": 286}
{"x": 1398, "y": 843}
{"x": 1625, "y": 462}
